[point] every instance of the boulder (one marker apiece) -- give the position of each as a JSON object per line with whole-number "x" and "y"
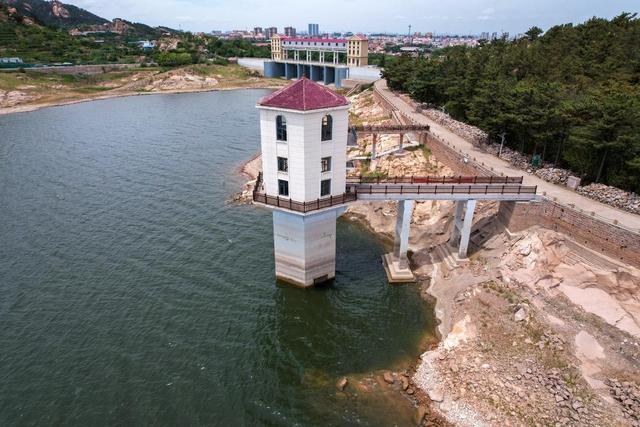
{"x": 520, "y": 315}
{"x": 436, "y": 395}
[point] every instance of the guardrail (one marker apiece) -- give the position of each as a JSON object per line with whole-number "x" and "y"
{"x": 445, "y": 189}
{"x": 390, "y": 128}
{"x": 436, "y": 180}
{"x": 303, "y": 207}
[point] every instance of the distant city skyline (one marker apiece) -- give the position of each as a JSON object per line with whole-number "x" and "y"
{"x": 454, "y": 17}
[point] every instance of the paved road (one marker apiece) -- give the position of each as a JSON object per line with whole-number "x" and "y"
{"x": 562, "y": 194}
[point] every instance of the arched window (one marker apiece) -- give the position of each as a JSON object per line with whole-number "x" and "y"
{"x": 327, "y": 128}
{"x": 281, "y": 128}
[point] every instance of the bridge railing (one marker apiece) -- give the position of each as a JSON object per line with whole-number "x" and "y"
{"x": 283, "y": 202}
{"x": 304, "y": 207}
{"x": 436, "y": 180}
{"x": 494, "y": 189}
{"x": 390, "y": 128}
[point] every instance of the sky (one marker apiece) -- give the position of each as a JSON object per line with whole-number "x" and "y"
{"x": 367, "y": 16}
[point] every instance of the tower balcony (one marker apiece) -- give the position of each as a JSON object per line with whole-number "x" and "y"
{"x": 260, "y": 197}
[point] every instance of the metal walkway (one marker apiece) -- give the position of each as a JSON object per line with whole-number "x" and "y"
{"x": 461, "y": 188}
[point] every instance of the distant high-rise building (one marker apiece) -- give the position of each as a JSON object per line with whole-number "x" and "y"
{"x": 494, "y": 36}
{"x": 289, "y": 31}
{"x": 270, "y": 32}
{"x": 484, "y": 36}
{"x": 505, "y": 35}
{"x": 314, "y": 29}
{"x": 257, "y": 30}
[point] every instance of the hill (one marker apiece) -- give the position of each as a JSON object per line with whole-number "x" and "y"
{"x": 54, "y": 13}
{"x": 29, "y": 38}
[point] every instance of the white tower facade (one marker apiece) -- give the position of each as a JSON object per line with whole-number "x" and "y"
{"x": 304, "y": 129}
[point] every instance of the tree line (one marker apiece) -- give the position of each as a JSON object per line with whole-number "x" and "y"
{"x": 41, "y": 44}
{"x": 570, "y": 95}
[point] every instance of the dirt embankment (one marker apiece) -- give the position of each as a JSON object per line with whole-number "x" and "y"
{"x": 28, "y": 91}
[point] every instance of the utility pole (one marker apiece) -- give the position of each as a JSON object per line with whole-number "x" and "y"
{"x": 502, "y": 135}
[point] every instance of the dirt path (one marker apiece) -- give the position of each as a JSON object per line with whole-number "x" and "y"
{"x": 563, "y": 195}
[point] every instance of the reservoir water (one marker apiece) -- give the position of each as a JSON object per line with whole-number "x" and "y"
{"x": 133, "y": 292}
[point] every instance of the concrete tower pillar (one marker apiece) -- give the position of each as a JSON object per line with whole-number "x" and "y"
{"x": 305, "y": 246}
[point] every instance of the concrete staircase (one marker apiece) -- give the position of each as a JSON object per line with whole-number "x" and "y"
{"x": 579, "y": 254}
{"x": 445, "y": 255}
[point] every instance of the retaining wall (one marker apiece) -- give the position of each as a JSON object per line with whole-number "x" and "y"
{"x": 608, "y": 239}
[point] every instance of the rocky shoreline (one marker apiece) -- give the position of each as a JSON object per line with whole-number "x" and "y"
{"x": 34, "y": 107}
{"x": 35, "y": 92}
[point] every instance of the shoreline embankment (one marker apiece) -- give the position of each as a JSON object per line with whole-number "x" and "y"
{"x": 26, "y": 108}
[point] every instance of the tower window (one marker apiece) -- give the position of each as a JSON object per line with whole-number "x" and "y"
{"x": 327, "y": 128}
{"x": 325, "y": 187}
{"x": 281, "y": 128}
{"x": 326, "y": 164}
{"x": 283, "y": 187}
{"x": 283, "y": 164}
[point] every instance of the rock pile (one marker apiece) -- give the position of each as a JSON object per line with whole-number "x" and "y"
{"x": 553, "y": 175}
{"x": 514, "y": 157}
{"x": 13, "y": 98}
{"x": 181, "y": 80}
{"x": 468, "y": 132}
{"x": 612, "y": 196}
{"x": 570, "y": 407}
{"x": 628, "y": 395}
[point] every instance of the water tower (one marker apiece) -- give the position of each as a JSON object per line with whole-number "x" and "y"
{"x": 303, "y": 131}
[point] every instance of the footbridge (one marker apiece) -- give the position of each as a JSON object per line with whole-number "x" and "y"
{"x": 466, "y": 191}
{"x": 421, "y": 132}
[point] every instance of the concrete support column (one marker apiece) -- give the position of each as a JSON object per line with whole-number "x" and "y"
{"x": 457, "y": 223}
{"x": 403, "y": 223}
{"x": 308, "y": 56}
{"x": 373, "y": 146}
{"x": 465, "y": 232}
{"x": 305, "y": 246}
{"x": 401, "y": 141}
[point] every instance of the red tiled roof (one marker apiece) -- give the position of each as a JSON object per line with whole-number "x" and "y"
{"x": 304, "y": 95}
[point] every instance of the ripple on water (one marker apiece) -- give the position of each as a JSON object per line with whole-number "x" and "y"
{"x": 133, "y": 293}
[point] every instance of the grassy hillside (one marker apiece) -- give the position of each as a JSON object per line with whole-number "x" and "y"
{"x": 35, "y": 43}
